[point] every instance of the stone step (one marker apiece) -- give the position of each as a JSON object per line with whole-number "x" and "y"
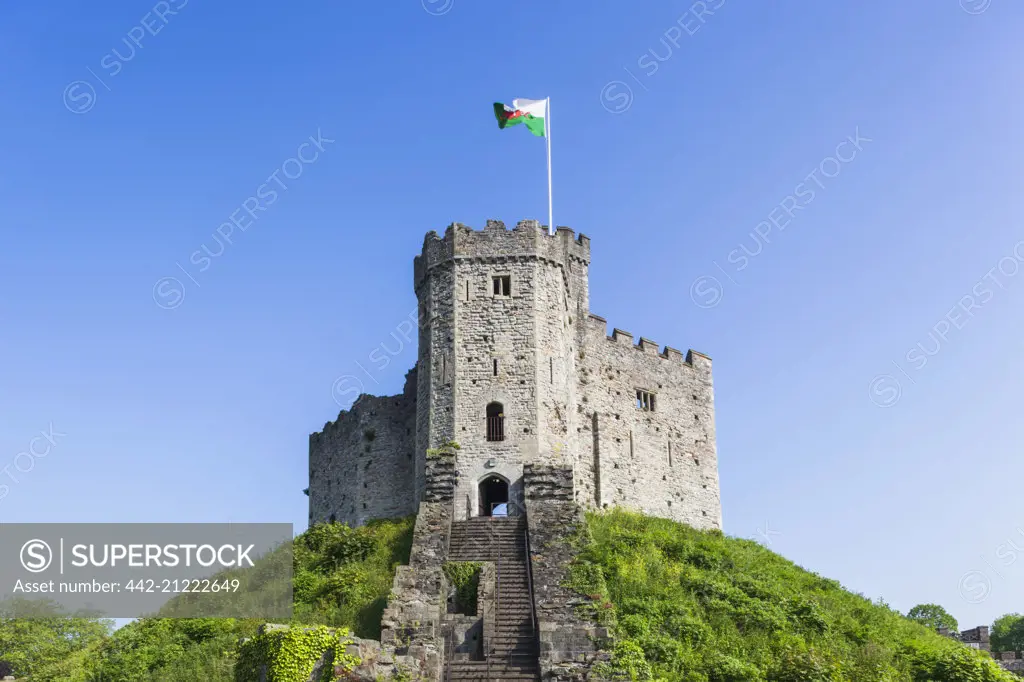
{"x": 516, "y": 665}
{"x": 523, "y": 642}
{"x": 496, "y": 663}
{"x": 498, "y": 672}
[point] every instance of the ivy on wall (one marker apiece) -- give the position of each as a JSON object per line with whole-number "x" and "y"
{"x": 465, "y": 577}
{"x": 291, "y": 655}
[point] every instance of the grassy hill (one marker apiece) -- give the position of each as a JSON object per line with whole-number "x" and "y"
{"x": 698, "y": 606}
{"x": 684, "y": 605}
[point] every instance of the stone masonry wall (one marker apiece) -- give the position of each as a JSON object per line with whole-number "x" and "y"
{"x": 411, "y": 627}
{"x": 567, "y": 389}
{"x": 570, "y": 644}
{"x": 362, "y": 465}
{"x": 662, "y": 462}
{"x": 515, "y": 349}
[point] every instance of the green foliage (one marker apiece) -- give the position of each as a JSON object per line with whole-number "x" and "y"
{"x": 465, "y": 577}
{"x": 291, "y": 655}
{"x": 701, "y": 607}
{"x": 586, "y": 578}
{"x": 157, "y": 650}
{"x": 30, "y": 645}
{"x": 1008, "y": 633}
{"x": 628, "y": 663}
{"x": 446, "y": 450}
{"x": 343, "y": 575}
{"x": 342, "y": 578}
{"x": 932, "y": 616}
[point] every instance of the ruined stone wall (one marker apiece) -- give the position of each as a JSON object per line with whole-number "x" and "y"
{"x": 362, "y": 465}
{"x": 662, "y": 462}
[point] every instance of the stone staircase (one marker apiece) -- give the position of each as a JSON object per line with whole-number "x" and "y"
{"x": 512, "y": 650}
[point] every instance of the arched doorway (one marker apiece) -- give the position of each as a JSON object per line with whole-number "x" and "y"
{"x": 493, "y": 496}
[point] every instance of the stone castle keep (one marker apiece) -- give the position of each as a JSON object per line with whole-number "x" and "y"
{"x": 514, "y": 368}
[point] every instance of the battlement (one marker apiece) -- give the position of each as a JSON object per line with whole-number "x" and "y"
{"x": 513, "y": 367}
{"x": 597, "y": 328}
{"x": 528, "y": 240}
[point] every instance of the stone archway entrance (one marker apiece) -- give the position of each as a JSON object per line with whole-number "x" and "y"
{"x": 493, "y": 496}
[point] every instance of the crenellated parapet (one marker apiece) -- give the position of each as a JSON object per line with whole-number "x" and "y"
{"x": 527, "y": 241}
{"x": 649, "y": 414}
{"x": 597, "y": 329}
{"x": 513, "y": 366}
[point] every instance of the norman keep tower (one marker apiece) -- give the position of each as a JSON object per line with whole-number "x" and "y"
{"x": 514, "y": 368}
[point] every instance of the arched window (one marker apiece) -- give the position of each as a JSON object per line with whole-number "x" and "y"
{"x": 495, "y": 422}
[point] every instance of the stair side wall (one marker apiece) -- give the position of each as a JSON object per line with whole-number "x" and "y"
{"x": 570, "y": 644}
{"x": 411, "y": 628}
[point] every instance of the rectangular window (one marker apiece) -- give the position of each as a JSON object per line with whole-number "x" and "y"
{"x": 502, "y": 285}
{"x": 495, "y": 366}
{"x": 495, "y": 422}
{"x": 467, "y": 289}
{"x": 644, "y": 400}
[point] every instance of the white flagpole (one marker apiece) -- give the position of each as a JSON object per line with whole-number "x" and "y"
{"x": 547, "y": 136}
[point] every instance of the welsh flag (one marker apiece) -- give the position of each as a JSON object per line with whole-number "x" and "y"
{"x": 528, "y": 111}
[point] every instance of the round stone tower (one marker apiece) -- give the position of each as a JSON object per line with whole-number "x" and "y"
{"x": 502, "y": 322}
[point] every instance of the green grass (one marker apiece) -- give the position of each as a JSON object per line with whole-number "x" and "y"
{"x": 701, "y": 607}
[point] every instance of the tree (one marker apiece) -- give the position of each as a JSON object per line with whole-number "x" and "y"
{"x": 932, "y": 616}
{"x": 29, "y": 644}
{"x": 1008, "y": 633}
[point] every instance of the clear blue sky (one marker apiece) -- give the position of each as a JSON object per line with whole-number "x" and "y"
{"x": 201, "y": 412}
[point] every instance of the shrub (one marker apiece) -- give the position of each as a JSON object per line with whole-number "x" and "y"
{"x": 465, "y": 578}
